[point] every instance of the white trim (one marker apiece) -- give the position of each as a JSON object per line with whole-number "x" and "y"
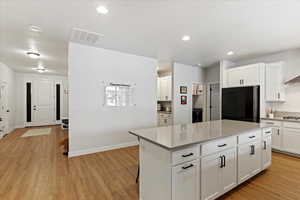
{"x": 101, "y": 149}
{"x": 19, "y": 126}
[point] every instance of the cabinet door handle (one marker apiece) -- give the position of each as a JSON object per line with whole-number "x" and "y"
{"x": 221, "y": 158}
{"x": 278, "y": 132}
{"x": 252, "y": 150}
{"x": 265, "y": 145}
{"x": 189, "y": 166}
{"x": 222, "y": 145}
{"x": 187, "y": 155}
{"x": 240, "y": 82}
{"x": 253, "y": 136}
{"x": 278, "y": 95}
{"x": 224, "y": 160}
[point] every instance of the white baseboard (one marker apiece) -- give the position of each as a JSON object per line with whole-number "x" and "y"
{"x": 19, "y": 126}
{"x": 101, "y": 149}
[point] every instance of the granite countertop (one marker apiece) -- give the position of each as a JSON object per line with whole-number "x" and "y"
{"x": 175, "y": 136}
{"x": 281, "y": 119}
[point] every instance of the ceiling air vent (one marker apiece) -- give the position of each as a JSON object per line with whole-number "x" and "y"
{"x": 85, "y": 37}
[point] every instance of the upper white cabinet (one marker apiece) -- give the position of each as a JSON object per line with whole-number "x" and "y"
{"x": 274, "y": 82}
{"x": 244, "y": 76}
{"x": 164, "y": 88}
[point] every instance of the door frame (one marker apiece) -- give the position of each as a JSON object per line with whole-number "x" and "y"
{"x": 5, "y": 116}
{"x": 208, "y": 108}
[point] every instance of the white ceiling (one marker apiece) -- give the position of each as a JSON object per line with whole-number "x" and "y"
{"x": 149, "y": 27}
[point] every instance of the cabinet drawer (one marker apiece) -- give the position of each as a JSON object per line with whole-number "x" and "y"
{"x": 267, "y": 132}
{"x": 291, "y": 125}
{"x": 272, "y": 122}
{"x": 249, "y": 137}
{"x": 218, "y": 145}
{"x": 186, "y": 154}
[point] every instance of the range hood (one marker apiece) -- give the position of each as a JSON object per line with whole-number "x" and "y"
{"x": 296, "y": 79}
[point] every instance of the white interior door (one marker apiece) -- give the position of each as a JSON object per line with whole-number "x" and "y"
{"x": 43, "y": 102}
{"x": 3, "y": 109}
{"x": 215, "y": 101}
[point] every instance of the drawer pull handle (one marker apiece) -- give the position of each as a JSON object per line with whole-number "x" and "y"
{"x": 187, "y": 155}
{"x": 252, "y": 137}
{"x": 222, "y": 145}
{"x": 270, "y": 123}
{"x": 267, "y": 132}
{"x": 189, "y": 166}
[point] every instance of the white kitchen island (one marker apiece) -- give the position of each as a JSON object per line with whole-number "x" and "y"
{"x": 201, "y": 160}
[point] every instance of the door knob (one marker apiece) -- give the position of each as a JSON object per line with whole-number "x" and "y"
{"x": 8, "y": 111}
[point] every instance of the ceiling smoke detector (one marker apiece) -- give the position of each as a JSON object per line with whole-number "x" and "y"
{"x": 33, "y": 55}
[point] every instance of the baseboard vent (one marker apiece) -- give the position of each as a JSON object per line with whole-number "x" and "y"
{"x": 85, "y": 36}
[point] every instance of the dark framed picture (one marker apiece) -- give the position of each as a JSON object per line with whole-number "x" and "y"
{"x": 183, "y": 100}
{"x": 183, "y": 90}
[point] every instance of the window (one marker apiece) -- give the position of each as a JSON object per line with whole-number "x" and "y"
{"x": 118, "y": 95}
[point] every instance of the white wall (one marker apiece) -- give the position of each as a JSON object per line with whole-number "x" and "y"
{"x": 20, "y": 94}
{"x": 291, "y": 69}
{"x": 94, "y": 127}
{"x": 7, "y": 75}
{"x": 184, "y": 75}
{"x": 212, "y": 73}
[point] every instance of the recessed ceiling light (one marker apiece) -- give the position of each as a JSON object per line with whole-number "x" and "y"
{"x": 35, "y": 29}
{"x": 199, "y": 64}
{"x": 230, "y": 53}
{"x": 33, "y": 55}
{"x": 102, "y": 10}
{"x": 186, "y": 38}
{"x": 40, "y": 69}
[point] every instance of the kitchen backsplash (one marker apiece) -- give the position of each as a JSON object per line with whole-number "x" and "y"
{"x": 285, "y": 114}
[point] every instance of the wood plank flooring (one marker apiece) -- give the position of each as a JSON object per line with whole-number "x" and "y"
{"x": 34, "y": 168}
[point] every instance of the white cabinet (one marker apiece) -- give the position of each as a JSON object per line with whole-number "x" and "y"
{"x": 277, "y": 138}
{"x": 243, "y": 76}
{"x": 210, "y": 177}
{"x": 249, "y": 160}
{"x": 165, "y": 119}
{"x": 266, "y": 151}
{"x": 158, "y": 89}
{"x": 291, "y": 140}
{"x": 165, "y": 88}
{"x": 218, "y": 174}
{"x": 185, "y": 181}
{"x": 274, "y": 82}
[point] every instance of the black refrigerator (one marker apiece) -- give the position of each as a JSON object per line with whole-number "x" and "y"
{"x": 241, "y": 103}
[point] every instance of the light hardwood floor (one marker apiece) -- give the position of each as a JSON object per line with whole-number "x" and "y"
{"x": 34, "y": 168}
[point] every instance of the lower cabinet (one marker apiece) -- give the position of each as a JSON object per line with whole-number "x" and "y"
{"x": 249, "y": 160}
{"x": 218, "y": 174}
{"x": 277, "y": 138}
{"x": 185, "y": 181}
{"x": 266, "y": 152}
{"x": 291, "y": 140}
